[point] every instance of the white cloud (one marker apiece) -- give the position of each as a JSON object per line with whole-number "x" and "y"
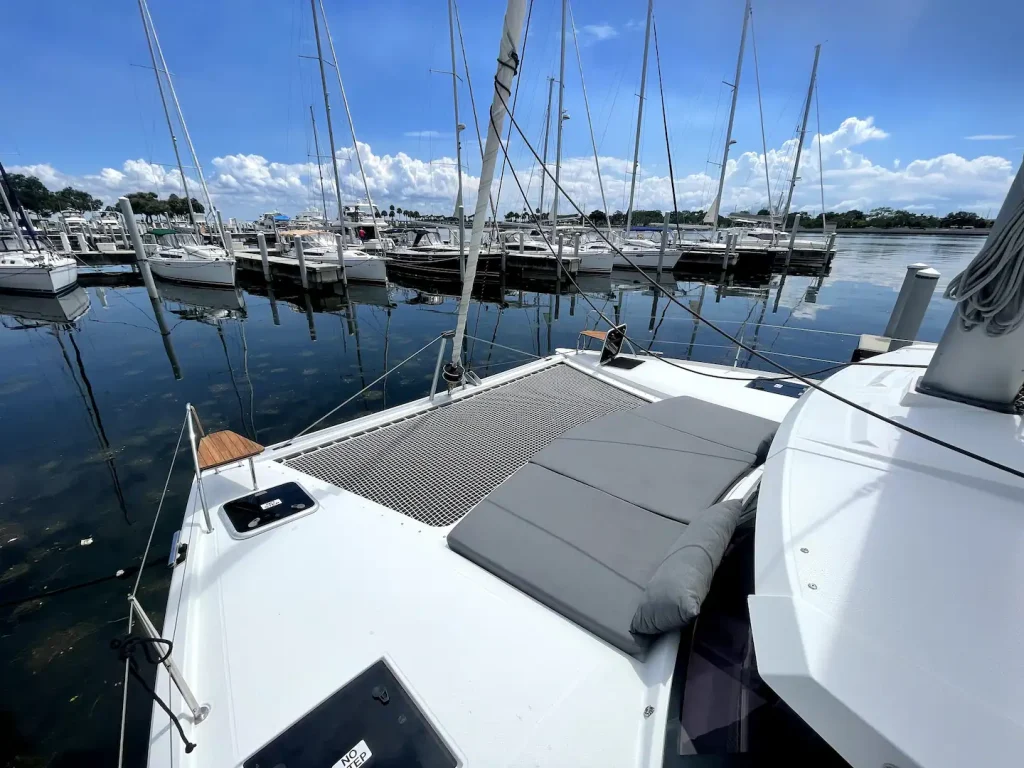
{"x": 424, "y": 134}
{"x": 246, "y": 185}
{"x": 990, "y": 137}
{"x": 595, "y": 33}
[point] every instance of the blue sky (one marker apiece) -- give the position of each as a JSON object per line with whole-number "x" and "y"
{"x": 917, "y": 83}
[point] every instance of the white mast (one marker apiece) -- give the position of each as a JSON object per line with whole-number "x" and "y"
{"x": 544, "y": 155}
{"x": 14, "y": 220}
{"x": 713, "y": 213}
{"x": 319, "y": 165}
{"x": 146, "y": 23}
{"x": 327, "y": 109}
{"x": 639, "y": 117}
{"x": 800, "y": 140}
{"x": 558, "y": 138}
{"x": 184, "y": 130}
{"x": 458, "y": 142}
{"x": 508, "y": 66}
{"x": 590, "y": 123}
{"x": 351, "y": 127}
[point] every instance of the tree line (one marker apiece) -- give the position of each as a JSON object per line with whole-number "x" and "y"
{"x": 881, "y": 218}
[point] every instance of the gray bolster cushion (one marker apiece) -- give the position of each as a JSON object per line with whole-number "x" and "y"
{"x": 675, "y": 591}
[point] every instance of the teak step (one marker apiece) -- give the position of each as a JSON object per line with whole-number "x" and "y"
{"x": 599, "y": 335}
{"x": 220, "y": 448}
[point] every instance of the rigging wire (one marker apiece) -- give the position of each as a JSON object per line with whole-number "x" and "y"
{"x": 753, "y": 352}
{"x": 664, "y": 118}
{"x": 760, "y": 111}
{"x": 821, "y": 170}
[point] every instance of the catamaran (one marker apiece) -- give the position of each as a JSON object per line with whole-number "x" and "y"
{"x": 610, "y": 558}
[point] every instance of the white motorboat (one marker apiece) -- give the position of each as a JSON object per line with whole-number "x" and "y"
{"x": 592, "y": 260}
{"x": 321, "y": 247}
{"x": 183, "y": 257}
{"x": 365, "y": 228}
{"x": 24, "y": 267}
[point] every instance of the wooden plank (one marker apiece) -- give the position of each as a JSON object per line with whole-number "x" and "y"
{"x": 599, "y": 335}
{"x": 225, "y": 447}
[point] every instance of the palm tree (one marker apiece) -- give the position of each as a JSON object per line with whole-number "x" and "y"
{"x": 398, "y": 211}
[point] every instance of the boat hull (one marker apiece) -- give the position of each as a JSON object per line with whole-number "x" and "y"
{"x": 46, "y": 279}
{"x": 596, "y": 262}
{"x": 219, "y": 272}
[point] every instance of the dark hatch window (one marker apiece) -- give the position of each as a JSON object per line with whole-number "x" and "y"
{"x": 722, "y": 713}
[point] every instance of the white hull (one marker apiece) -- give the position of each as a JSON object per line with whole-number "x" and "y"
{"x": 646, "y": 259}
{"x": 219, "y": 272}
{"x": 599, "y": 262}
{"x": 360, "y": 267}
{"x": 38, "y": 278}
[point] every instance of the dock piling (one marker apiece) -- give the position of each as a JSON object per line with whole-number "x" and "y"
{"x": 341, "y": 261}
{"x": 792, "y": 239}
{"x": 261, "y": 240}
{"x": 140, "y": 250}
{"x": 303, "y": 278}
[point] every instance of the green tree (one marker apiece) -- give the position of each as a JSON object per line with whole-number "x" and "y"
{"x": 618, "y": 218}
{"x": 77, "y": 200}
{"x": 398, "y": 211}
{"x": 177, "y": 206}
{"x": 147, "y": 204}
{"x": 32, "y": 194}
{"x": 598, "y": 217}
{"x": 764, "y": 212}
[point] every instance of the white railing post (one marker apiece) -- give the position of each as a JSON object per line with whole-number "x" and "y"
{"x": 199, "y": 711}
{"x": 440, "y": 359}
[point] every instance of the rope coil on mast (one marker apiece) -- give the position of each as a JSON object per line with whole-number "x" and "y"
{"x": 990, "y": 292}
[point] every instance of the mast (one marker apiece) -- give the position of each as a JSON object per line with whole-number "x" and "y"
{"x": 146, "y": 21}
{"x": 732, "y": 116}
{"x": 351, "y": 127}
{"x": 458, "y": 140}
{"x": 319, "y": 167}
{"x": 800, "y": 140}
{"x": 590, "y": 123}
{"x": 188, "y": 137}
{"x": 547, "y": 130}
{"x": 327, "y": 108}
{"x": 508, "y": 67}
{"x": 472, "y": 104}
{"x": 10, "y": 212}
{"x": 640, "y": 116}
{"x": 558, "y": 138}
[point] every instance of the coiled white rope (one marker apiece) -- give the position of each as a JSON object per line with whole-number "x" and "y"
{"x": 990, "y": 292}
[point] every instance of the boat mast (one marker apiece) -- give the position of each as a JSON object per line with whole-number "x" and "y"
{"x": 547, "y": 131}
{"x": 639, "y": 116}
{"x": 319, "y": 167}
{"x": 800, "y": 140}
{"x": 558, "y": 137}
{"x": 146, "y": 22}
{"x": 327, "y": 109}
{"x": 10, "y": 212}
{"x": 351, "y": 126}
{"x": 732, "y": 116}
{"x": 458, "y": 141}
{"x": 508, "y": 67}
{"x": 590, "y": 123}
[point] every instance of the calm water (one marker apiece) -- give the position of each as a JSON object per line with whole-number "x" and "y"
{"x": 91, "y": 410}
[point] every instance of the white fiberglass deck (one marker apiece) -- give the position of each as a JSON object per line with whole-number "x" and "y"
{"x": 267, "y": 627}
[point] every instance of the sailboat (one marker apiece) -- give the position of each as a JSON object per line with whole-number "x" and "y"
{"x": 615, "y": 559}
{"x": 182, "y": 255}
{"x": 29, "y": 265}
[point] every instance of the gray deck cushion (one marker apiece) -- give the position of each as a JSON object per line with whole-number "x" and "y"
{"x": 675, "y": 457}
{"x": 673, "y": 596}
{"x": 577, "y": 550}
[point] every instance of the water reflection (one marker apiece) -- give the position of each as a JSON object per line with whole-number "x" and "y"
{"x": 94, "y": 384}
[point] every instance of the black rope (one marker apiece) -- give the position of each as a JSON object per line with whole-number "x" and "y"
{"x": 126, "y": 652}
{"x": 790, "y": 374}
